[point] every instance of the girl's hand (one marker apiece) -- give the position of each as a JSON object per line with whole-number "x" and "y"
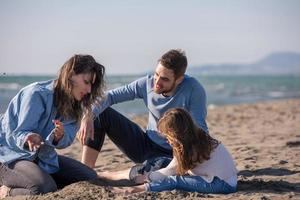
{"x": 141, "y": 178}
{"x": 58, "y": 131}
{"x": 33, "y": 141}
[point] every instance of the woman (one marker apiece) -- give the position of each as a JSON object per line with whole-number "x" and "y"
{"x": 200, "y": 163}
{"x": 44, "y": 116}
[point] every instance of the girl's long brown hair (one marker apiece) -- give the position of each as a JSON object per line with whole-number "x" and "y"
{"x": 191, "y": 145}
{"x": 67, "y": 106}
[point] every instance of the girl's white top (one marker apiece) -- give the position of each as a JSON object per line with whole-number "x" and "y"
{"x": 220, "y": 165}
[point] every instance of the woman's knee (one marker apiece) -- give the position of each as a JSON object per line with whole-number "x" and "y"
{"x": 43, "y": 188}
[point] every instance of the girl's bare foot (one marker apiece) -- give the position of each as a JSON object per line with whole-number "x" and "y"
{"x": 4, "y": 191}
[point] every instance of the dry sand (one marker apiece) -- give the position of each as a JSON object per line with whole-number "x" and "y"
{"x": 264, "y": 139}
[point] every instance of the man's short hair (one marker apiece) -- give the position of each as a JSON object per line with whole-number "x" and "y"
{"x": 175, "y": 59}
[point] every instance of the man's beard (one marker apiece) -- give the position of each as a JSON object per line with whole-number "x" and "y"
{"x": 164, "y": 91}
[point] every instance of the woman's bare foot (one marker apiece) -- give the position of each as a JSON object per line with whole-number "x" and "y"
{"x": 4, "y": 190}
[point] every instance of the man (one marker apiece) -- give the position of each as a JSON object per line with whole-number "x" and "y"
{"x": 169, "y": 87}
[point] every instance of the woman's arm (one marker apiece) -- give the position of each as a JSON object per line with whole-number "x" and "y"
{"x": 135, "y": 89}
{"x": 64, "y": 136}
{"x": 30, "y": 108}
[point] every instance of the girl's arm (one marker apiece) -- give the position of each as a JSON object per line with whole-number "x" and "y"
{"x": 164, "y": 172}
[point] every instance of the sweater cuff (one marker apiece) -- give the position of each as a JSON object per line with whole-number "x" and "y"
{"x": 148, "y": 177}
{"x": 147, "y": 187}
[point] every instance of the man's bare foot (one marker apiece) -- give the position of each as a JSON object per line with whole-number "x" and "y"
{"x": 105, "y": 175}
{"x": 114, "y": 176}
{"x": 128, "y": 190}
{"x": 4, "y": 190}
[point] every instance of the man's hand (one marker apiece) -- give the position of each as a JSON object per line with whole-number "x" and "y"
{"x": 33, "y": 141}
{"x": 86, "y": 128}
{"x": 59, "y": 130}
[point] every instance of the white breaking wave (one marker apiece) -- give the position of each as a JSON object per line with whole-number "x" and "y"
{"x": 10, "y": 86}
{"x": 276, "y": 94}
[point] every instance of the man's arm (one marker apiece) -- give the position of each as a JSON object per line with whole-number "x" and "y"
{"x": 136, "y": 89}
{"x": 197, "y": 107}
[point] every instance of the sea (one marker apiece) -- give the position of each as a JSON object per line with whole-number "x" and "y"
{"x": 220, "y": 90}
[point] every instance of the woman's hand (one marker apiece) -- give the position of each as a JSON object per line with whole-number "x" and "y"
{"x": 86, "y": 128}
{"x": 33, "y": 141}
{"x": 58, "y": 131}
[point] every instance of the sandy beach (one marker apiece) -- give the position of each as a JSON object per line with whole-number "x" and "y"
{"x": 264, "y": 139}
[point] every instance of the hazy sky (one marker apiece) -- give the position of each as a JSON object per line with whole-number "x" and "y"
{"x": 128, "y": 36}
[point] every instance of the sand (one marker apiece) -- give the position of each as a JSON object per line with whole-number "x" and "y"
{"x": 264, "y": 139}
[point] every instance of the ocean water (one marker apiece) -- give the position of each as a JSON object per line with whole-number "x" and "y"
{"x": 221, "y": 90}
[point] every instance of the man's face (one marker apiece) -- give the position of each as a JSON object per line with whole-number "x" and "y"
{"x": 164, "y": 81}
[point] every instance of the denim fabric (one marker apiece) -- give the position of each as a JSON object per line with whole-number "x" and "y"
{"x": 27, "y": 178}
{"x": 149, "y": 165}
{"x": 127, "y": 135}
{"x": 191, "y": 184}
{"x": 32, "y": 110}
{"x": 71, "y": 171}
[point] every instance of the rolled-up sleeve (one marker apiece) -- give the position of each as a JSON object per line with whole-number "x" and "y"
{"x": 70, "y": 130}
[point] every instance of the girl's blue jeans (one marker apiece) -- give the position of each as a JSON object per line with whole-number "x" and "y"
{"x": 191, "y": 184}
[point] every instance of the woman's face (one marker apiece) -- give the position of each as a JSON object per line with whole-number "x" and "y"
{"x": 81, "y": 85}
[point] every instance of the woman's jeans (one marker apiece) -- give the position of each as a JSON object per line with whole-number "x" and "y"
{"x": 26, "y": 177}
{"x": 191, "y": 184}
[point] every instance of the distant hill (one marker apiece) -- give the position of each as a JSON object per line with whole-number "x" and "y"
{"x": 281, "y": 63}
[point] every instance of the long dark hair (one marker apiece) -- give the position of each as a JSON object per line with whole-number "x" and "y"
{"x": 191, "y": 145}
{"x": 66, "y": 105}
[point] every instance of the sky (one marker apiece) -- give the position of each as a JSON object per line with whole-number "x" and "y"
{"x": 129, "y": 36}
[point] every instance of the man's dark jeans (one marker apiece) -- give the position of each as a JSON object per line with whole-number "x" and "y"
{"x": 129, "y": 138}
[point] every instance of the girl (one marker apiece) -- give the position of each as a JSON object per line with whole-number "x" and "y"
{"x": 44, "y": 116}
{"x": 200, "y": 163}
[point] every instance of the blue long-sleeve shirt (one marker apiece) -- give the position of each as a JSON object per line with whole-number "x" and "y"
{"x": 189, "y": 95}
{"x": 32, "y": 111}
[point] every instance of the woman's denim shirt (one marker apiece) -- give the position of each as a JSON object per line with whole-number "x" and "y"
{"x": 32, "y": 111}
